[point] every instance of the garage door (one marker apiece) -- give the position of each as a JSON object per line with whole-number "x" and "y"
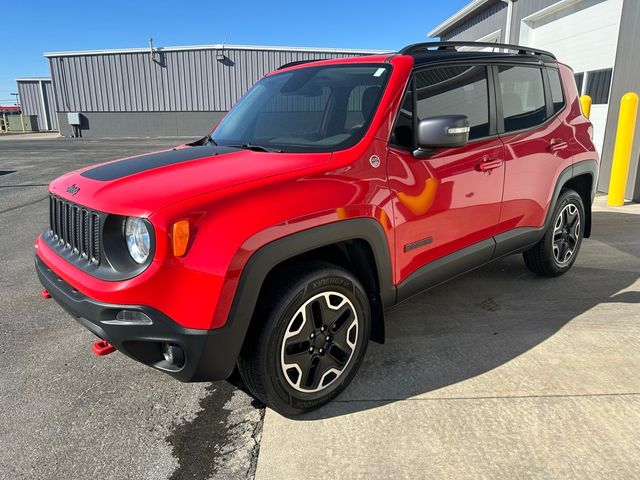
{"x": 584, "y": 35}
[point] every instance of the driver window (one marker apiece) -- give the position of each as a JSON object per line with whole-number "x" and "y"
{"x": 455, "y": 90}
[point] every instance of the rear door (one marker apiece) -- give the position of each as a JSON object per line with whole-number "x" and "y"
{"x": 447, "y": 200}
{"x": 537, "y": 140}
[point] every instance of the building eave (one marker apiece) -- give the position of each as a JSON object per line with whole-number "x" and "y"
{"x": 213, "y": 47}
{"x": 460, "y": 16}
{"x": 33, "y": 79}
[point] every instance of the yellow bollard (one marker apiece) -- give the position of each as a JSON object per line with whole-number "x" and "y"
{"x": 622, "y": 150}
{"x": 585, "y": 104}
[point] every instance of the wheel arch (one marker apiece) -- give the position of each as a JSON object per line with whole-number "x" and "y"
{"x": 354, "y": 244}
{"x": 581, "y": 177}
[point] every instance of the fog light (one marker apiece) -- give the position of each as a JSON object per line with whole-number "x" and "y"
{"x": 173, "y": 354}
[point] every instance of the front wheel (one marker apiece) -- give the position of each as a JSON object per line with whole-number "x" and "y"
{"x": 313, "y": 337}
{"x": 558, "y": 249}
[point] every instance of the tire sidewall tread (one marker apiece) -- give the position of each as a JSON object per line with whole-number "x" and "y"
{"x": 259, "y": 363}
{"x": 540, "y": 259}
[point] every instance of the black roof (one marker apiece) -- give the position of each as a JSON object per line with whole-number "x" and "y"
{"x": 428, "y": 52}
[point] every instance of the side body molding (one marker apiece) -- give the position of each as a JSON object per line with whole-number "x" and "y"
{"x": 440, "y": 271}
{"x": 513, "y": 241}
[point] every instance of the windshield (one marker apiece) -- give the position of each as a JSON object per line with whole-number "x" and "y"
{"x": 313, "y": 109}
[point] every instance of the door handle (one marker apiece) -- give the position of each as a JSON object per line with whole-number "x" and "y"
{"x": 557, "y": 144}
{"x": 487, "y": 164}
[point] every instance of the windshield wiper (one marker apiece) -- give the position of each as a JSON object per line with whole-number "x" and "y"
{"x": 256, "y": 148}
{"x": 203, "y": 141}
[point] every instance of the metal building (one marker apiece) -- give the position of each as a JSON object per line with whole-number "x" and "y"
{"x": 163, "y": 91}
{"x": 597, "y": 38}
{"x": 37, "y": 98}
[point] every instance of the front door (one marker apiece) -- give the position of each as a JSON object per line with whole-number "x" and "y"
{"x": 449, "y": 199}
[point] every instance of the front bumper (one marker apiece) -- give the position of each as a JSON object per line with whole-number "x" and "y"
{"x": 209, "y": 354}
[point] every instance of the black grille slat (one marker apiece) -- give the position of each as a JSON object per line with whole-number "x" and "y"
{"x": 63, "y": 223}
{"x": 67, "y": 225}
{"x": 57, "y": 217}
{"x": 85, "y": 233}
{"x": 95, "y": 250}
{"x": 75, "y": 229}
{"x": 52, "y": 218}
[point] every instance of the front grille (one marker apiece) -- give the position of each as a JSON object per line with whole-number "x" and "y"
{"x": 75, "y": 229}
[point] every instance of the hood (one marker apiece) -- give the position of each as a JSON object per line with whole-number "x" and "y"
{"x": 143, "y": 184}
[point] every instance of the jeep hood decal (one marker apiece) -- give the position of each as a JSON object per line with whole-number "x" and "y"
{"x": 130, "y": 166}
{"x": 143, "y": 184}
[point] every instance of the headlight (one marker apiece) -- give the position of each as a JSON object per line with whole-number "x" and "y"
{"x": 138, "y": 239}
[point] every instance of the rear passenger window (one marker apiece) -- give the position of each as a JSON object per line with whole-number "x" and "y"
{"x": 557, "y": 97}
{"x": 455, "y": 90}
{"x": 523, "y": 104}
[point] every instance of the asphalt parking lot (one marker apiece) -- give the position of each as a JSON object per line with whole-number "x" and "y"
{"x": 497, "y": 374}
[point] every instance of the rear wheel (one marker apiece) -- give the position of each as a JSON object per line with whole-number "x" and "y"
{"x": 312, "y": 339}
{"x": 558, "y": 249}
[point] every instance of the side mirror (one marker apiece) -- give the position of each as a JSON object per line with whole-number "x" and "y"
{"x": 442, "y": 131}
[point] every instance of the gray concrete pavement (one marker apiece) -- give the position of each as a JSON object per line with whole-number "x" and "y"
{"x": 68, "y": 414}
{"x": 497, "y": 374}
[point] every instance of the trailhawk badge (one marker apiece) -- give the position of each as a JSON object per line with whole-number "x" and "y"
{"x": 73, "y": 189}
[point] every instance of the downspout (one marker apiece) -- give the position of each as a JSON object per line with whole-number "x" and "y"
{"x": 507, "y": 29}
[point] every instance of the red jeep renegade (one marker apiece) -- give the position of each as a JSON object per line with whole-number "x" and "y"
{"x": 332, "y": 191}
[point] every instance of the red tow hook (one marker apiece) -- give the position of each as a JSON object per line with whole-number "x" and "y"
{"x": 102, "y": 347}
{"x": 45, "y": 294}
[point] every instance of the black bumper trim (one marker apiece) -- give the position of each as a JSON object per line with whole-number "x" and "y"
{"x": 210, "y": 354}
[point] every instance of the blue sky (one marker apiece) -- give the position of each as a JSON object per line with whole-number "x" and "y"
{"x": 33, "y": 27}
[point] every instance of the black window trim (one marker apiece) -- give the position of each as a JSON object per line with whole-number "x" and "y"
{"x": 491, "y": 94}
{"x": 337, "y": 148}
{"x": 545, "y": 72}
{"x": 547, "y": 97}
{"x": 496, "y": 117}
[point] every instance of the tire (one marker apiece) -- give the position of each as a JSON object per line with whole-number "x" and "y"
{"x": 308, "y": 339}
{"x": 557, "y": 251}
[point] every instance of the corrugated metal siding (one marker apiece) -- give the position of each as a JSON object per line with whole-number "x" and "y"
{"x": 486, "y": 22}
{"x": 626, "y": 78}
{"x": 494, "y": 18}
{"x": 522, "y": 9}
{"x": 30, "y": 98}
{"x": 189, "y": 80}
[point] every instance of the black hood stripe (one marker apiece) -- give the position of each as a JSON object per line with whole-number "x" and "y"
{"x": 130, "y": 166}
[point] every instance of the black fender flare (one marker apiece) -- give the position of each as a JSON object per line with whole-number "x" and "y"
{"x": 580, "y": 168}
{"x": 267, "y": 257}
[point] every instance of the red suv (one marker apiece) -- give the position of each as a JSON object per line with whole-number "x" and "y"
{"x": 332, "y": 191}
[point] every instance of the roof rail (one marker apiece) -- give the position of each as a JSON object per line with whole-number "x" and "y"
{"x": 300, "y": 62}
{"x": 426, "y": 47}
